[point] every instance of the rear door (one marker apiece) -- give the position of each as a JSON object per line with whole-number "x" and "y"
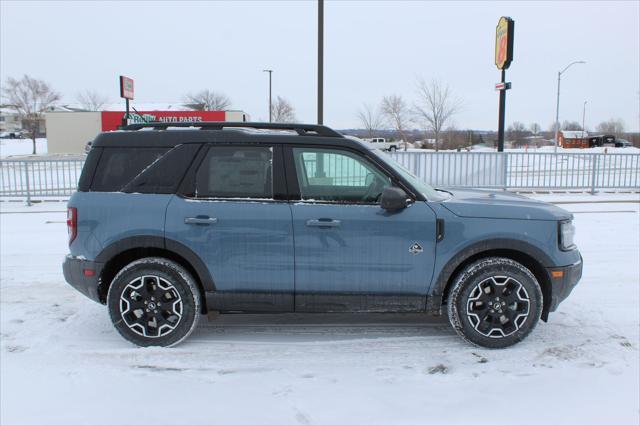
{"x": 233, "y": 213}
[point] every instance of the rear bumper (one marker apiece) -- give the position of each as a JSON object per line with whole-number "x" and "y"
{"x": 74, "y": 273}
{"x": 563, "y": 280}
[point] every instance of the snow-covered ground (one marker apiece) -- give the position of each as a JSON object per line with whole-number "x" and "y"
{"x": 61, "y": 362}
{"x": 15, "y": 147}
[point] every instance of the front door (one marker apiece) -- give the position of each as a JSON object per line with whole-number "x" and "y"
{"x": 351, "y": 255}
{"x": 232, "y": 219}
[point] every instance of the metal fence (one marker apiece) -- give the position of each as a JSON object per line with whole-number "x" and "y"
{"x": 39, "y": 178}
{"x": 591, "y": 172}
{"x": 525, "y": 171}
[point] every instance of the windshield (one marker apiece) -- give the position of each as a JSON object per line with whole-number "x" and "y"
{"x": 426, "y": 190}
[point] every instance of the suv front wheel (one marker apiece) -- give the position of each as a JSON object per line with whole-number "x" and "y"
{"x": 154, "y": 302}
{"x": 495, "y": 302}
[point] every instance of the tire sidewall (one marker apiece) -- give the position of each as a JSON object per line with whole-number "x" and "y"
{"x": 178, "y": 277}
{"x": 477, "y": 272}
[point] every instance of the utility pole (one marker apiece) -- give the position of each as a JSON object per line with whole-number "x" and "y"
{"x": 557, "y": 126}
{"x": 270, "y": 110}
{"x": 320, "y": 59}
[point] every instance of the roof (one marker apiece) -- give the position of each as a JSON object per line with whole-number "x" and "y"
{"x": 172, "y": 134}
{"x": 574, "y": 134}
{"x": 8, "y": 111}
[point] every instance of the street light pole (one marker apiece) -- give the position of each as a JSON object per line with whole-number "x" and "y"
{"x": 584, "y": 110}
{"x": 320, "y": 59}
{"x": 270, "y": 111}
{"x": 557, "y": 126}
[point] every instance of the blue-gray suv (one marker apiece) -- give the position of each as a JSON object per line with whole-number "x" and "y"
{"x": 171, "y": 222}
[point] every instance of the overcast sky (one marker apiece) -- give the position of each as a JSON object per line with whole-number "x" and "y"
{"x": 372, "y": 49}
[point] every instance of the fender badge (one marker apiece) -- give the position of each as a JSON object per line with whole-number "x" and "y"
{"x": 415, "y": 248}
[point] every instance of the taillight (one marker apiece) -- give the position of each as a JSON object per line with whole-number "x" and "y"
{"x": 72, "y": 223}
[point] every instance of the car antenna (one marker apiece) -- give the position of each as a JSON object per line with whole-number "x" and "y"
{"x": 139, "y": 115}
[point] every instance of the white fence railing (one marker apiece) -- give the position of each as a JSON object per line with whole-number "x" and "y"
{"x": 591, "y": 172}
{"x": 519, "y": 170}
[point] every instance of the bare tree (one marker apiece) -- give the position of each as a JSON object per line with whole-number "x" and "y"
{"x": 517, "y": 132}
{"x": 371, "y": 119}
{"x": 208, "y": 100}
{"x": 571, "y": 125}
{"x": 435, "y": 107}
{"x": 282, "y": 111}
{"x": 395, "y": 111}
{"x": 611, "y": 127}
{"x": 91, "y": 101}
{"x": 535, "y": 128}
{"x": 30, "y": 98}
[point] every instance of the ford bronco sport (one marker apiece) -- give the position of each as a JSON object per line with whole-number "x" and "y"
{"x": 170, "y": 223}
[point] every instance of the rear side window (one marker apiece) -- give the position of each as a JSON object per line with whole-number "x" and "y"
{"x": 236, "y": 172}
{"x": 118, "y": 166}
{"x": 164, "y": 175}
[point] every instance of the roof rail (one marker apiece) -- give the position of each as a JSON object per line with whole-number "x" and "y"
{"x": 301, "y": 129}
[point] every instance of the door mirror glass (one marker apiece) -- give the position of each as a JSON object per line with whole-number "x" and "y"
{"x": 394, "y": 198}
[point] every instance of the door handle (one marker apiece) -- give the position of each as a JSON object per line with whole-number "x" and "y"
{"x": 323, "y": 223}
{"x": 200, "y": 220}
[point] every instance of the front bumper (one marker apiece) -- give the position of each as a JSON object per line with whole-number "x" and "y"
{"x": 74, "y": 273}
{"x": 563, "y": 279}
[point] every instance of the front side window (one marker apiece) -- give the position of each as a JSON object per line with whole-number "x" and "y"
{"x": 236, "y": 172}
{"x": 337, "y": 176}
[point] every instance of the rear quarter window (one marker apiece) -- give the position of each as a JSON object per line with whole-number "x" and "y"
{"x": 118, "y": 166}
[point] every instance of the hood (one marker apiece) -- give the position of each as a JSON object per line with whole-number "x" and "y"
{"x": 501, "y": 205}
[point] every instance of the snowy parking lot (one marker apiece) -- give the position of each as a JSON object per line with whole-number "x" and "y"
{"x": 61, "y": 361}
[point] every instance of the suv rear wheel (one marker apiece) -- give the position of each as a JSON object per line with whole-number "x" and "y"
{"x": 154, "y": 302}
{"x": 495, "y": 302}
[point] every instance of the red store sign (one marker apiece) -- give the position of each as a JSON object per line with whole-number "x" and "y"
{"x": 112, "y": 119}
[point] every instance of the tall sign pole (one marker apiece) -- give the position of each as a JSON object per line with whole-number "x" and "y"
{"x": 503, "y": 58}
{"x": 320, "y": 58}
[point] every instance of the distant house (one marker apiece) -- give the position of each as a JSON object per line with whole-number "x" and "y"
{"x": 573, "y": 139}
{"x": 10, "y": 121}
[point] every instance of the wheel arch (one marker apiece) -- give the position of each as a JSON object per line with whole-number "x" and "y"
{"x": 524, "y": 253}
{"x": 122, "y": 252}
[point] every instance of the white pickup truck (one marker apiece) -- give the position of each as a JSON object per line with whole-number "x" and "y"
{"x": 382, "y": 143}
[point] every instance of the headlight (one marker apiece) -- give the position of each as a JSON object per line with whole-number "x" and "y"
{"x": 566, "y": 234}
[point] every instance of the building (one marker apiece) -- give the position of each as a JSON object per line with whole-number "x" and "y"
{"x": 573, "y": 139}
{"x": 69, "y": 131}
{"x": 10, "y": 121}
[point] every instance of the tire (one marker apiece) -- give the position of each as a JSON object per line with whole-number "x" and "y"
{"x": 500, "y": 321}
{"x": 392, "y": 149}
{"x": 154, "y": 302}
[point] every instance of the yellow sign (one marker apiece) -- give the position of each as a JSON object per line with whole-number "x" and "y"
{"x": 504, "y": 43}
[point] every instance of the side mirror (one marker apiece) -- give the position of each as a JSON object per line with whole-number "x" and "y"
{"x": 394, "y": 198}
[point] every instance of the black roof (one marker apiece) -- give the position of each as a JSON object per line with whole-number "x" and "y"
{"x": 156, "y": 134}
